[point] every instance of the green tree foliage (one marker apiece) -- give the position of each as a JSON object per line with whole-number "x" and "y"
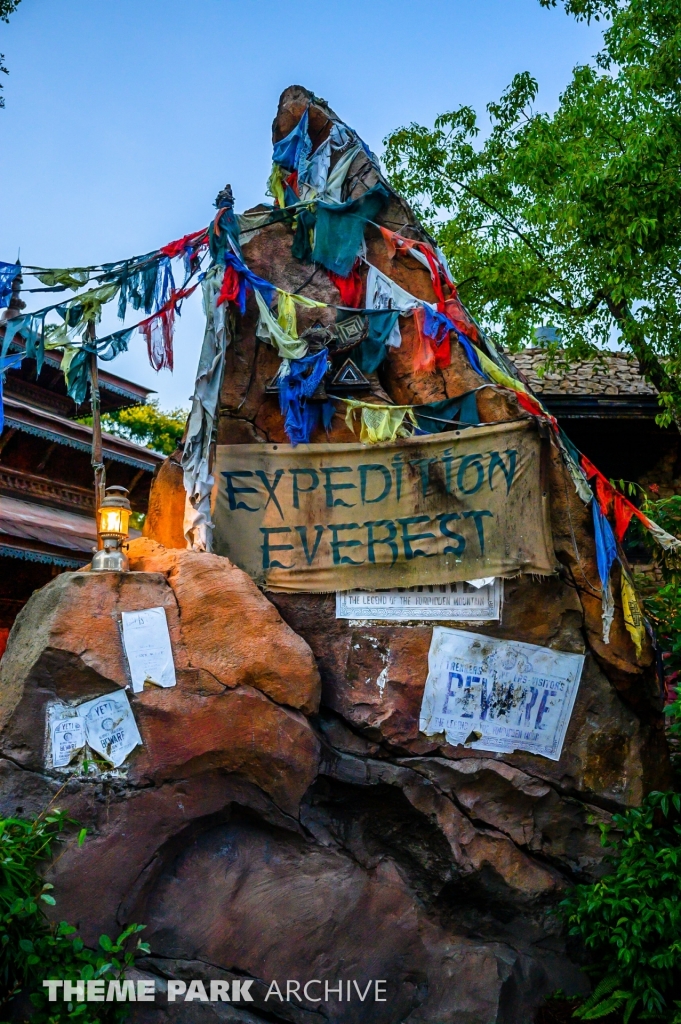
{"x": 7, "y": 7}
{"x": 573, "y": 219}
{"x": 147, "y": 425}
{"x": 32, "y": 949}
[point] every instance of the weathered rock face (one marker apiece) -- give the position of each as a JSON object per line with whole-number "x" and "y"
{"x": 285, "y": 819}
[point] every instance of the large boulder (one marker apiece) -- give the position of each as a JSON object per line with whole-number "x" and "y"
{"x": 285, "y": 818}
{"x": 234, "y": 723}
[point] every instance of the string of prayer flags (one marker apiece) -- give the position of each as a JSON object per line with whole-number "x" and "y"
{"x": 147, "y": 286}
{"x": 8, "y": 273}
{"x": 31, "y": 328}
{"x": 223, "y": 234}
{"x": 294, "y": 147}
{"x": 158, "y": 329}
{"x": 434, "y": 348}
{"x": 88, "y": 305}
{"x": 238, "y": 280}
{"x": 287, "y": 318}
{"x": 374, "y": 348}
{"x": 350, "y": 287}
{"x": 340, "y": 228}
{"x": 435, "y": 417}
{"x": 188, "y": 247}
{"x": 609, "y": 498}
{"x": 303, "y": 238}
{"x": 196, "y": 454}
{"x": 296, "y": 388}
{"x": 379, "y": 422}
{"x": 69, "y": 277}
{"x": 270, "y": 330}
{"x": 425, "y": 254}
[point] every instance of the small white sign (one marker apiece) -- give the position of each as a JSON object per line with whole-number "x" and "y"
{"x": 67, "y": 733}
{"x": 147, "y": 647}
{"x": 477, "y": 601}
{"x": 498, "y": 695}
{"x": 110, "y": 726}
{"x": 106, "y": 724}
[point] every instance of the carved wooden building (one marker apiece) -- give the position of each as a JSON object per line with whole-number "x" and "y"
{"x": 47, "y": 508}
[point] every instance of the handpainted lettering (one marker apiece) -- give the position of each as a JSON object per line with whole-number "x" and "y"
{"x": 297, "y": 489}
{"x": 470, "y": 462}
{"x": 478, "y": 517}
{"x": 337, "y": 544}
{"x": 444, "y": 520}
{"x": 271, "y": 487}
{"x": 232, "y": 491}
{"x": 267, "y": 548}
{"x": 302, "y": 531}
{"x": 495, "y": 460}
{"x": 389, "y": 540}
{"x": 364, "y": 471}
{"x": 408, "y": 539}
{"x": 330, "y": 487}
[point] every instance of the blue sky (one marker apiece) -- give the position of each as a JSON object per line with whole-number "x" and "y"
{"x": 124, "y": 119}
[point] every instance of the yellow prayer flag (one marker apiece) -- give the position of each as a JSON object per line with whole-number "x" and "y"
{"x": 379, "y": 422}
{"x": 633, "y": 618}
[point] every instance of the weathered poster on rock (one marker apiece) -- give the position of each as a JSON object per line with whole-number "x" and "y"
{"x": 424, "y": 510}
{"x": 110, "y": 726}
{"x": 67, "y": 733}
{"x": 456, "y": 602}
{"x": 106, "y": 724}
{"x": 499, "y": 695}
{"x": 146, "y": 641}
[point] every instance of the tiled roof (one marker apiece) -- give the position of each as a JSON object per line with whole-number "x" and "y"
{"x": 614, "y": 374}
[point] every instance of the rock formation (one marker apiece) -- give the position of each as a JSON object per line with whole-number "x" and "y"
{"x": 285, "y": 819}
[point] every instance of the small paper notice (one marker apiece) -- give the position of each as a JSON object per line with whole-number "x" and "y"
{"x": 147, "y": 646}
{"x": 106, "y": 724}
{"x": 475, "y": 601}
{"x": 110, "y": 726}
{"x": 67, "y": 733}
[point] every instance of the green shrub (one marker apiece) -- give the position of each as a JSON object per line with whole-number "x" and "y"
{"x": 630, "y": 921}
{"x": 33, "y": 949}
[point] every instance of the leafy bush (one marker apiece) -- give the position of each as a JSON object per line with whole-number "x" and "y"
{"x": 32, "y": 949}
{"x": 630, "y": 921}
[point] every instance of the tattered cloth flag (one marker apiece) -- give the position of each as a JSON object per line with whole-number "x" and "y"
{"x": 7, "y": 363}
{"x": 8, "y": 273}
{"x": 158, "y": 330}
{"x": 340, "y": 228}
{"x": 295, "y": 389}
{"x": 606, "y": 553}
{"x": 379, "y": 422}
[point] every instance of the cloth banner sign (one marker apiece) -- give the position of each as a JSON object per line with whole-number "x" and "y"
{"x": 421, "y": 510}
{"x": 498, "y": 695}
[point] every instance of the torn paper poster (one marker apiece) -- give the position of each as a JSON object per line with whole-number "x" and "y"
{"x": 67, "y": 733}
{"x": 105, "y": 724}
{"x": 147, "y": 646}
{"x": 498, "y": 695}
{"x": 460, "y": 602}
{"x": 110, "y": 726}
